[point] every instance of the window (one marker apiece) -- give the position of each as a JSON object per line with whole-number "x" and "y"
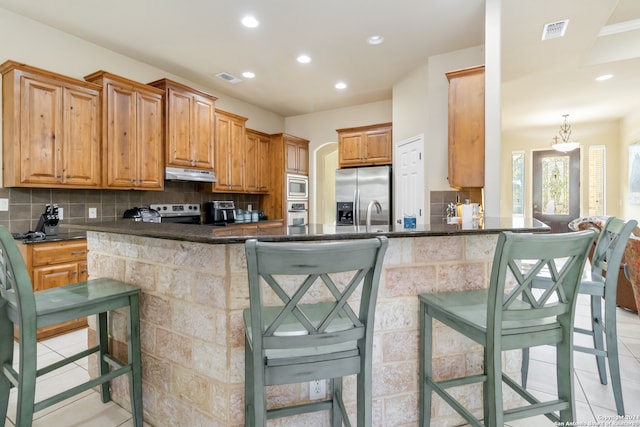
{"x": 597, "y": 162}
{"x": 517, "y": 182}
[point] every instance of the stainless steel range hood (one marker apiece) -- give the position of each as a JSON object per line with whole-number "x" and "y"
{"x": 178, "y": 174}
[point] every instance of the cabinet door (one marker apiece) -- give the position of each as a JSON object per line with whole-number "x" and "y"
{"x": 303, "y": 159}
{"x": 256, "y": 163}
{"x": 350, "y": 149}
{"x": 150, "y": 174}
{"x": 40, "y": 128}
{"x": 81, "y": 138}
{"x": 179, "y": 124}
{"x": 203, "y": 132}
{"x": 222, "y": 148}
{"x": 466, "y": 128}
{"x": 52, "y": 276}
{"x": 83, "y": 271}
{"x": 292, "y": 157}
{"x": 297, "y": 157}
{"x": 229, "y": 153}
{"x": 251, "y": 162}
{"x": 236, "y": 152}
{"x": 263, "y": 181}
{"x": 377, "y": 146}
{"x": 121, "y": 137}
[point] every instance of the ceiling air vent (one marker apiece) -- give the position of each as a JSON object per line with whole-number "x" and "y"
{"x": 228, "y": 77}
{"x": 553, "y": 30}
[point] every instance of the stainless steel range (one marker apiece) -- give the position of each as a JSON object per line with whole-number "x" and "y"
{"x": 181, "y": 213}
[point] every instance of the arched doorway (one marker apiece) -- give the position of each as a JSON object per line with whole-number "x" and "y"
{"x": 324, "y": 203}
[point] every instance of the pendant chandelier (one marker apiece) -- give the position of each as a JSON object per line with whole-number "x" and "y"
{"x": 564, "y": 143}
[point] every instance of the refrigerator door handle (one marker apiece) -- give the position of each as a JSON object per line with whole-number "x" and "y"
{"x": 356, "y": 206}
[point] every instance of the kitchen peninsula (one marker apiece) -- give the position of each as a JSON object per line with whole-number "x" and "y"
{"x": 194, "y": 283}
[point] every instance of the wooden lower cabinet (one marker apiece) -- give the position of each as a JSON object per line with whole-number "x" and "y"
{"x": 54, "y": 264}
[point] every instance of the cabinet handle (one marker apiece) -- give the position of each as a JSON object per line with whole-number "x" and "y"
{"x": 74, "y": 272}
{"x": 84, "y": 270}
{"x": 59, "y": 175}
{"x": 78, "y": 252}
{"x": 133, "y": 180}
{"x": 68, "y": 176}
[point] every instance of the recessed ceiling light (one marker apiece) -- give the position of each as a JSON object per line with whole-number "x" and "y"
{"x": 304, "y": 59}
{"x": 375, "y": 40}
{"x": 341, "y": 85}
{"x": 604, "y": 77}
{"x": 250, "y": 22}
{"x": 248, "y": 74}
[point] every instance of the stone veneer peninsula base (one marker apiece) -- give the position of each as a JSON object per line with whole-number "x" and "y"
{"x": 193, "y": 336}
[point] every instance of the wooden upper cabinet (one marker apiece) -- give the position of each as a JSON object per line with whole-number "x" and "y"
{"x": 365, "y": 145}
{"x": 189, "y": 125}
{"x": 51, "y": 129}
{"x": 132, "y": 133}
{"x": 296, "y": 155}
{"x": 287, "y": 154}
{"x": 229, "y": 152}
{"x": 256, "y": 164}
{"x": 466, "y": 127}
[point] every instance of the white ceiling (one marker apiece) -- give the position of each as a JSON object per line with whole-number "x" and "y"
{"x": 197, "y": 39}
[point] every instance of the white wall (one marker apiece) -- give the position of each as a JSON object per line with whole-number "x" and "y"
{"x": 420, "y": 105}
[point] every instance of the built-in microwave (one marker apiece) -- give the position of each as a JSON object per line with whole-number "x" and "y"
{"x": 297, "y": 187}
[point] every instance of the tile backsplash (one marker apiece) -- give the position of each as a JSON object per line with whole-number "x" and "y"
{"x": 440, "y": 200}
{"x": 26, "y": 204}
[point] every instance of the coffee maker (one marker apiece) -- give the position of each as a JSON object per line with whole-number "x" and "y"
{"x": 219, "y": 212}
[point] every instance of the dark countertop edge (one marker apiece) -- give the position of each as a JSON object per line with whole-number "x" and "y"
{"x": 60, "y": 237}
{"x": 211, "y": 235}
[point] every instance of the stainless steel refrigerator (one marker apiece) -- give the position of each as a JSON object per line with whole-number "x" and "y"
{"x": 356, "y": 188}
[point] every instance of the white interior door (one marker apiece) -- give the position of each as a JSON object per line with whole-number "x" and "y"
{"x": 409, "y": 179}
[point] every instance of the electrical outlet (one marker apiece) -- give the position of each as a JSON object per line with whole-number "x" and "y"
{"x": 317, "y": 389}
{"x": 93, "y": 212}
{"x": 60, "y": 213}
{"x": 4, "y": 205}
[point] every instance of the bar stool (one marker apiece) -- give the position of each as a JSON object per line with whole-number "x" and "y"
{"x": 20, "y": 307}
{"x": 500, "y": 319}
{"x": 602, "y": 286}
{"x": 290, "y": 339}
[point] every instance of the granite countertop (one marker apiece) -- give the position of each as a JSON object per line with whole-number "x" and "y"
{"x": 312, "y": 232}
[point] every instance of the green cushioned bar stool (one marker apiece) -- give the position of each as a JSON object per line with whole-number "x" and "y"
{"x": 508, "y": 316}
{"x": 20, "y": 307}
{"x": 301, "y": 326}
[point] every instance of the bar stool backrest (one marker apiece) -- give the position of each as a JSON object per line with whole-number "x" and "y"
{"x": 298, "y": 275}
{"x": 519, "y": 262}
{"x": 15, "y": 283}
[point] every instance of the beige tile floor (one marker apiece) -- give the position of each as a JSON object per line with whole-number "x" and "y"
{"x": 594, "y": 401}
{"x": 83, "y": 410}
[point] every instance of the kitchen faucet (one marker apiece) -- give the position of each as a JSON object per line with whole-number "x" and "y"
{"x": 378, "y": 210}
